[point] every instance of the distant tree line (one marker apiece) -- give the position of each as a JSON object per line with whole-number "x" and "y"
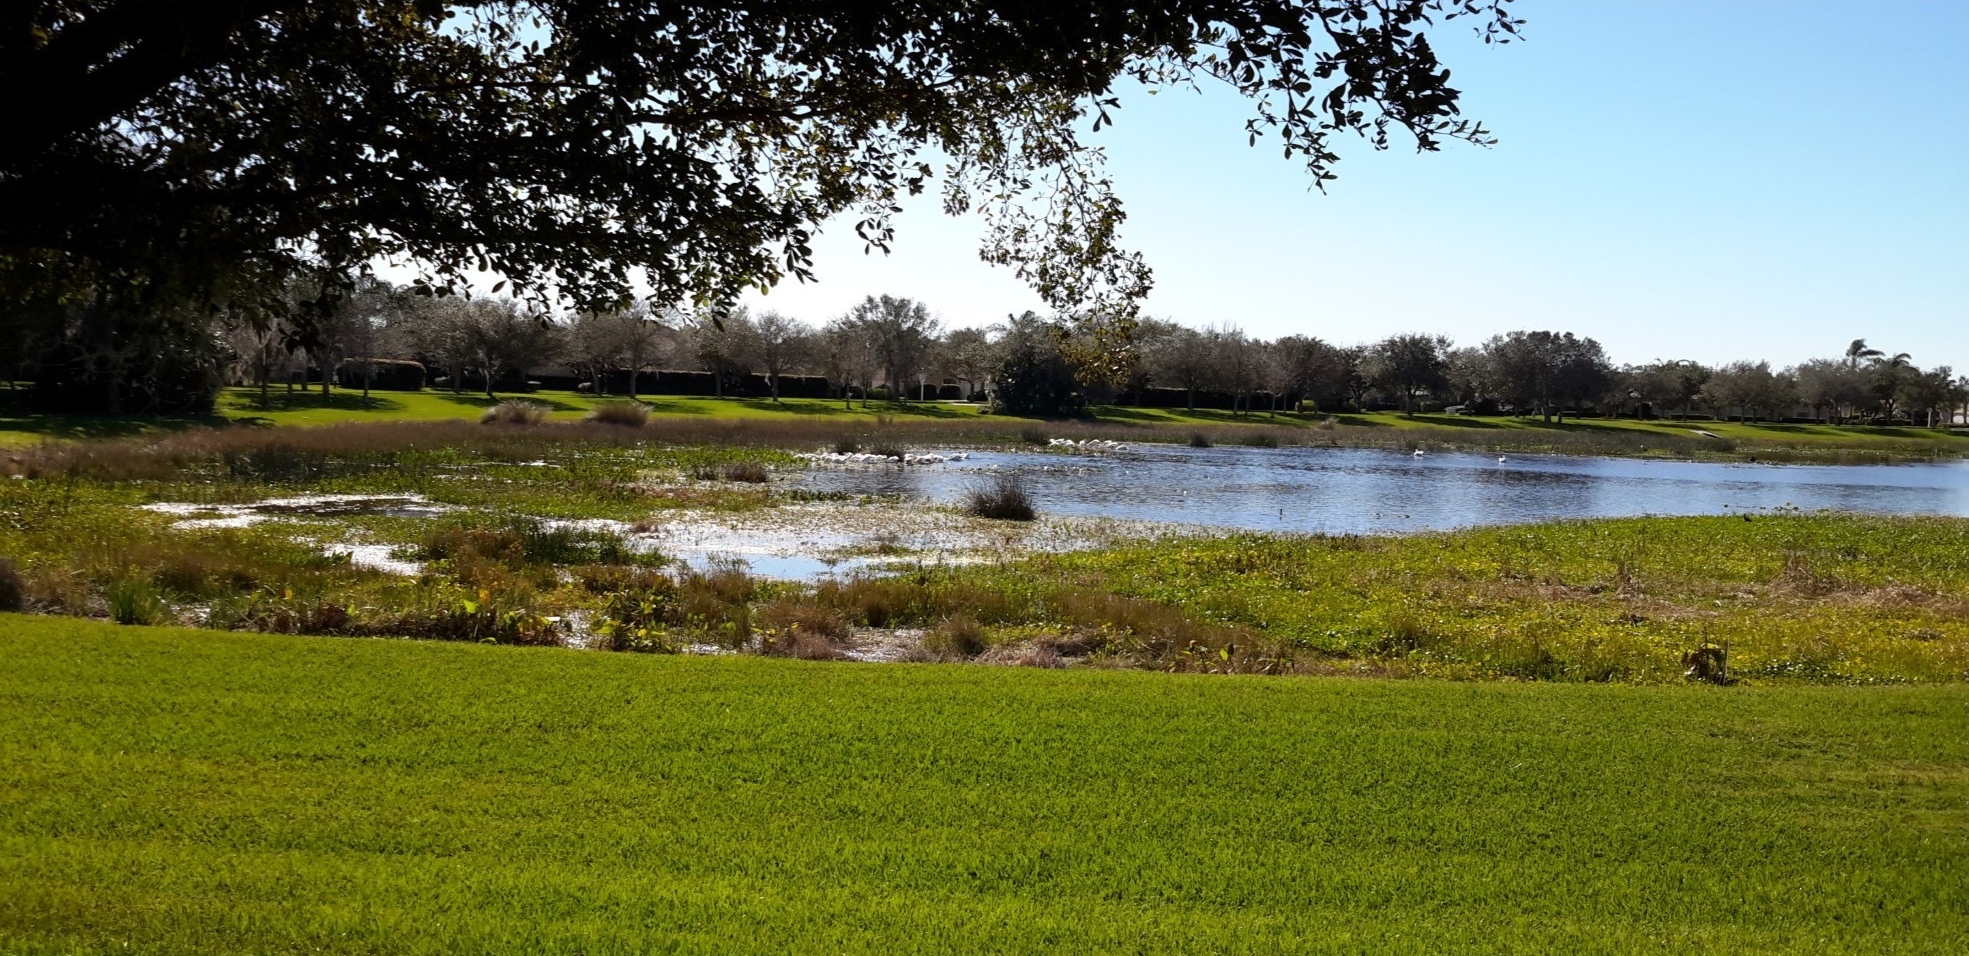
{"x": 376, "y": 336}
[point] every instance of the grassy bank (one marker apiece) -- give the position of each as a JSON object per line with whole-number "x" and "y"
{"x": 809, "y": 421}
{"x": 189, "y": 792}
{"x": 483, "y": 517}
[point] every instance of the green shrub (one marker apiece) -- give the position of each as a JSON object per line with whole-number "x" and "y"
{"x": 134, "y": 598}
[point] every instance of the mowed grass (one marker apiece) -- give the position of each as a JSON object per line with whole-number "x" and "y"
{"x": 243, "y": 406}
{"x": 964, "y": 421}
{"x": 177, "y": 791}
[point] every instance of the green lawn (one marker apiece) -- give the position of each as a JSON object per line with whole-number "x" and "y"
{"x": 242, "y": 406}
{"x": 1596, "y": 436}
{"x": 175, "y": 791}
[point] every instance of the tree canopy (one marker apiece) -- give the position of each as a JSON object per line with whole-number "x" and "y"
{"x": 203, "y": 151}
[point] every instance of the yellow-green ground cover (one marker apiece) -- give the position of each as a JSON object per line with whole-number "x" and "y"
{"x": 190, "y": 792}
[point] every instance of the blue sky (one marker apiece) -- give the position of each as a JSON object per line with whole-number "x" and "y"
{"x": 1703, "y": 180}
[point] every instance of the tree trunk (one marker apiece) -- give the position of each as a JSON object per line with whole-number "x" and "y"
{"x": 632, "y": 383}
{"x": 775, "y": 383}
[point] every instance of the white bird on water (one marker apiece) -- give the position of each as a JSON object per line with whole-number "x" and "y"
{"x": 1500, "y": 459}
{"x": 1418, "y": 453}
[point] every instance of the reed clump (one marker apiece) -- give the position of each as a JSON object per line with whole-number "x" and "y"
{"x": 1002, "y": 498}
{"x": 623, "y": 414}
{"x": 514, "y": 412}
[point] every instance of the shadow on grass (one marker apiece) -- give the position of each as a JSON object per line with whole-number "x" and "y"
{"x": 1360, "y": 421}
{"x": 102, "y": 426}
{"x": 1455, "y": 421}
{"x": 308, "y": 401}
{"x": 1134, "y": 415}
{"x": 476, "y": 400}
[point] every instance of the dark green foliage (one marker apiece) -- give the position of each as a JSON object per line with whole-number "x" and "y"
{"x": 13, "y": 591}
{"x": 1033, "y": 378}
{"x": 383, "y": 375}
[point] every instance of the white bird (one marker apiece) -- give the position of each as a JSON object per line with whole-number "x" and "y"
{"x": 1418, "y": 453}
{"x": 1500, "y": 459}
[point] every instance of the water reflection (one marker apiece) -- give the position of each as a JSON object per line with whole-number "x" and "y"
{"x": 1336, "y": 490}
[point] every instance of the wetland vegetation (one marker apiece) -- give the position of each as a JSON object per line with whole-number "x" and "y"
{"x": 570, "y": 533}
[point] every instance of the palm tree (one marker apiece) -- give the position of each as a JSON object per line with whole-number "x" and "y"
{"x": 1858, "y": 350}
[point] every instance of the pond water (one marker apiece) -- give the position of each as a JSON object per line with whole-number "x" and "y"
{"x": 1361, "y": 491}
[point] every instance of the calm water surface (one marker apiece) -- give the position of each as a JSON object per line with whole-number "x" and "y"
{"x": 1359, "y": 491}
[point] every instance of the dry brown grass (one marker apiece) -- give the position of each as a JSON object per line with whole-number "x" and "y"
{"x": 620, "y": 414}
{"x": 1036, "y": 654}
{"x": 514, "y": 412}
{"x": 958, "y": 636}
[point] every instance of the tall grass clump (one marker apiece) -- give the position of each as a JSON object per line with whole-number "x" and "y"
{"x": 749, "y": 472}
{"x": 625, "y": 414}
{"x": 956, "y": 636}
{"x": 514, "y": 412}
{"x": 1034, "y": 436}
{"x": 1004, "y": 498}
{"x": 13, "y": 591}
{"x": 802, "y": 629}
{"x": 134, "y": 598}
{"x": 1199, "y": 440}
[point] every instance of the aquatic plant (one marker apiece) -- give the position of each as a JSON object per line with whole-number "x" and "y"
{"x": 133, "y": 598}
{"x": 1002, "y": 498}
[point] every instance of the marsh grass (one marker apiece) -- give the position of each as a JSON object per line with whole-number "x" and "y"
{"x": 516, "y": 412}
{"x": 1836, "y": 599}
{"x": 744, "y": 472}
{"x": 134, "y": 598}
{"x": 621, "y": 414}
{"x": 1002, "y": 497}
{"x": 958, "y": 636}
